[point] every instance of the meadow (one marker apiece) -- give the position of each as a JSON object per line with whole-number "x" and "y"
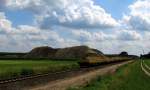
{"x": 147, "y": 62}
{"x": 128, "y": 77}
{"x": 19, "y": 68}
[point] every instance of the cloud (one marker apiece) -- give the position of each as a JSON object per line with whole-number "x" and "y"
{"x": 67, "y": 13}
{"x": 139, "y": 16}
{"x": 84, "y": 36}
{"x": 128, "y": 35}
{"x": 25, "y": 37}
{"x": 98, "y": 36}
{"x": 115, "y": 42}
{"x": 2, "y": 3}
{"x": 85, "y": 22}
{"x": 5, "y": 25}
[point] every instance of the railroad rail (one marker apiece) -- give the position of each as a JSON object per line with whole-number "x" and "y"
{"x": 144, "y": 68}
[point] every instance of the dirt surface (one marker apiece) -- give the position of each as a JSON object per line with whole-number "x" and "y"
{"x": 78, "y": 80}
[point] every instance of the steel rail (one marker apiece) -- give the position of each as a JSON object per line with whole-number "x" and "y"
{"x": 144, "y": 70}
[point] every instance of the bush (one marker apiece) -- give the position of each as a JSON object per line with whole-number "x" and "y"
{"x": 26, "y": 72}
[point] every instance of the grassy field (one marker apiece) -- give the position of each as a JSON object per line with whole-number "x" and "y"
{"x": 17, "y": 68}
{"x": 128, "y": 77}
{"x": 147, "y": 62}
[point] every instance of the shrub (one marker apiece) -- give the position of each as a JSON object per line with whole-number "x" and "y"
{"x": 26, "y": 72}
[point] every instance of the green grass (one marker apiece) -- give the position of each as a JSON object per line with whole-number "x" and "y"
{"x": 147, "y": 62}
{"x": 128, "y": 77}
{"x": 16, "y": 68}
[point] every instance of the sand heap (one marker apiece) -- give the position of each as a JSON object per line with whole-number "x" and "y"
{"x": 76, "y": 52}
{"x": 72, "y": 52}
{"x": 41, "y": 52}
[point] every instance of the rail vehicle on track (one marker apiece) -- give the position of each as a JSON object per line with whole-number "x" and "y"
{"x": 94, "y": 59}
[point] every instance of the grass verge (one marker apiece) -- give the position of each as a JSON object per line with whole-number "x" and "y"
{"x": 18, "y": 68}
{"x": 147, "y": 61}
{"x": 128, "y": 77}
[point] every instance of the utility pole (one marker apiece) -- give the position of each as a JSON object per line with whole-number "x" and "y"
{"x": 143, "y": 51}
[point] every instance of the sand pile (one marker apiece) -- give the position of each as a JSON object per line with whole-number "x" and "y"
{"x": 76, "y": 52}
{"x": 41, "y": 52}
{"x": 72, "y": 52}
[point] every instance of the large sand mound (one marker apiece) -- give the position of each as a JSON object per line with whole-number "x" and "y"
{"x": 76, "y": 52}
{"x": 41, "y": 52}
{"x": 72, "y": 52}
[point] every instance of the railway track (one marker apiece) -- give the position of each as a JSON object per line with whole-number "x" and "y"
{"x": 30, "y": 77}
{"x": 46, "y": 74}
{"x": 145, "y": 68}
{"x": 22, "y": 82}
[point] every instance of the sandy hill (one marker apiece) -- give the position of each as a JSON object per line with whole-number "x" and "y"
{"x": 41, "y": 52}
{"x": 76, "y": 52}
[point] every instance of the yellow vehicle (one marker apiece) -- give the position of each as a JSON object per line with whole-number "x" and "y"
{"x": 93, "y": 59}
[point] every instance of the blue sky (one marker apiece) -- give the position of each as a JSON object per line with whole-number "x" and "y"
{"x": 111, "y": 26}
{"x": 115, "y": 7}
{"x": 20, "y": 17}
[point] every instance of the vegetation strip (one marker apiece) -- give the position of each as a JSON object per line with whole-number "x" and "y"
{"x": 36, "y": 81}
{"x": 80, "y": 79}
{"x": 54, "y": 73}
{"x": 21, "y": 68}
{"x": 128, "y": 77}
{"x": 145, "y": 71}
{"x": 75, "y": 68}
{"x": 146, "y": 65}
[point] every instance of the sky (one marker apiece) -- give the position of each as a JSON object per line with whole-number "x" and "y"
{"x": 112, "y": 26}
{"x": 115, "y": 7}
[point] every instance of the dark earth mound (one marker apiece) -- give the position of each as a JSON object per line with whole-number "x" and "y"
{"x": 41, "y": 52}
{"x": 76, "y": 52}
{"x": 72, "y": 52}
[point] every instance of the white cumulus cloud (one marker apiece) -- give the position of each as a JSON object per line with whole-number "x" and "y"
{"x": 128, "y": 35}
{"x": 139, "y": 16}
{"x": 5, "y": 25}
{"x": 67, "y": 13}
{"x": 85, "y": 21}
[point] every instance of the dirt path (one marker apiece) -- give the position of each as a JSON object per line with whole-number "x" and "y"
{"x": 82, "y": 79}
